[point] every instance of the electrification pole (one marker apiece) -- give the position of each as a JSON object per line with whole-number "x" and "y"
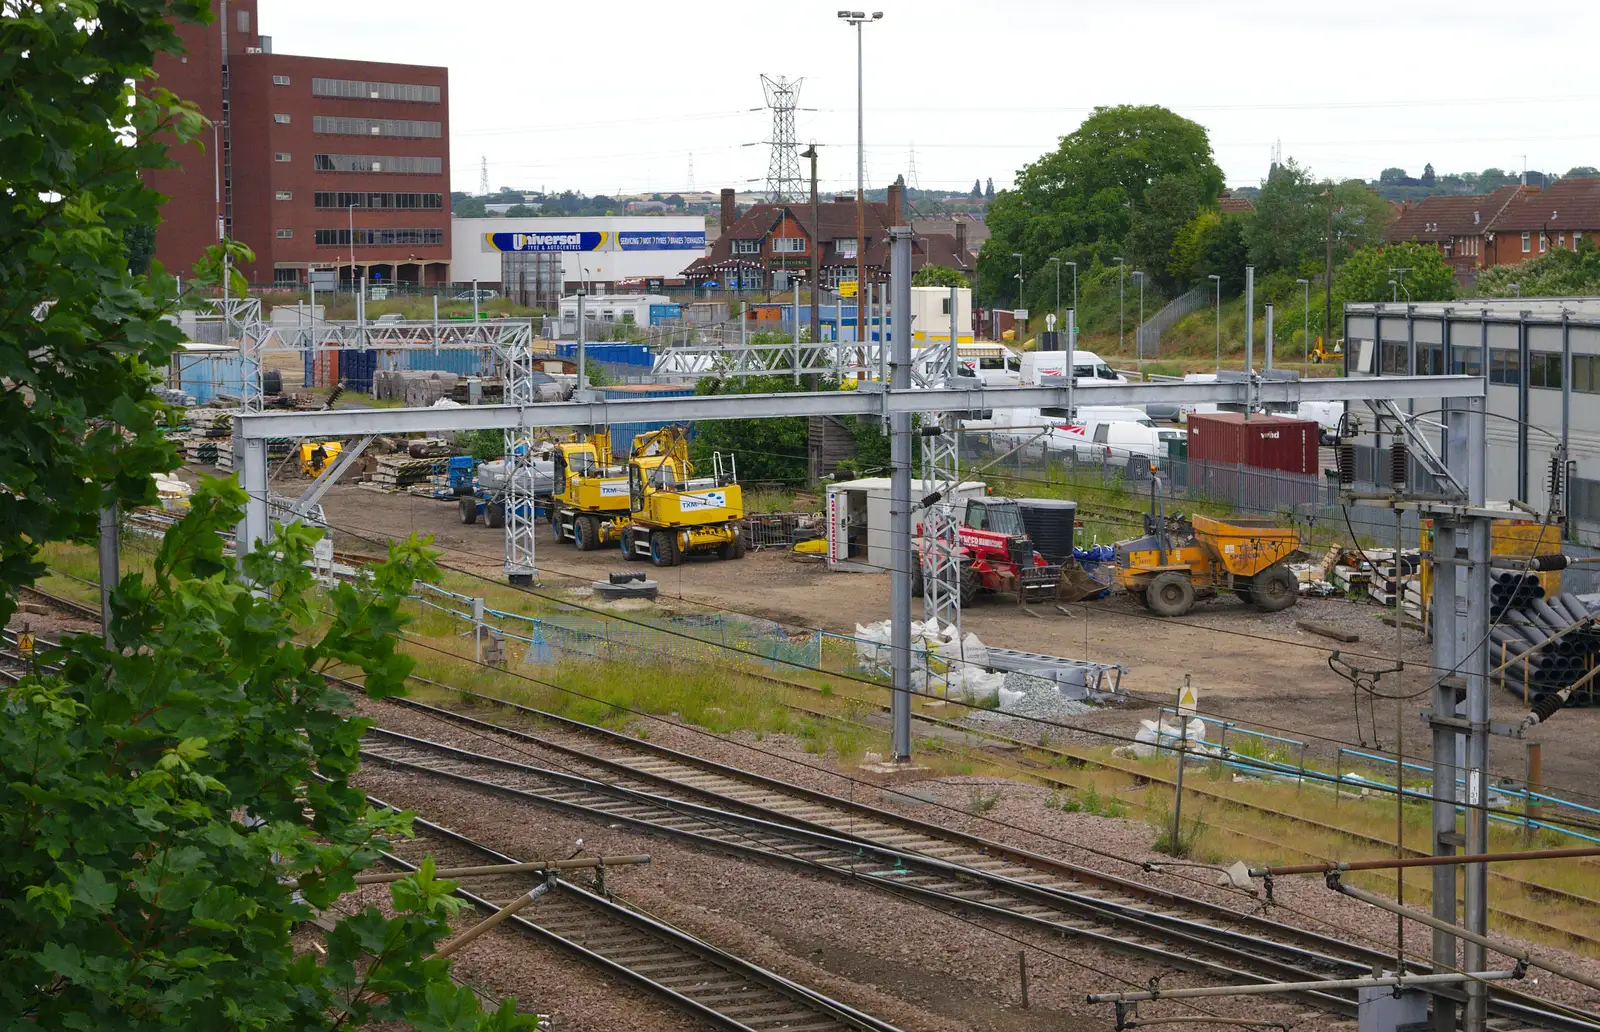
{"x": 816, "y": 253}
{"x": 900, "y": 497}
{"x": 1121, "y": 267}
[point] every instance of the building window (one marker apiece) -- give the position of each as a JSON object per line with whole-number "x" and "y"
{"x": 845, "y": 247}
{"x": 1544, "y": 369}
{"x": 1467, "y": 361}
{"x": 281, "y": 80}
{"x": 375, "y": 163}
{"x": 747, "y": 247}
{"x": 1526, "y": 238}
{"x": 285, "y": 234}
{"x": 281, "y": 119}
{"x": 1505, "y": 366}
{"x": 379, "y": 200}
{"x": 1577, "y": 238}
{"x": 359, "y": 89}
{"x": 1561, "y": 240}
{"x": 788, "y": 245}
{"x": 380, "y": 237}
{"x": 281, "y": 156}
{"x": 1586, "y": 374}
{"x": 285, "y": 195}
{"x": 404, "y": 128}
{"x": 285, "y": 277}
{"x": 1394, "y": 358}
{"x": 1430, "y": 357}
{"x": 1541, "y": 243}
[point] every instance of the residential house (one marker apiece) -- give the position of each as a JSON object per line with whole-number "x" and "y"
{"x": 769, "y": 247}
{"x": 1459, "y": 225}
{"x": 1537, "y": 221}
{"x": 1228, "y": 204}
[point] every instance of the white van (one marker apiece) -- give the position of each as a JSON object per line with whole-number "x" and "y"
{"x": 1088, "y": 368}
{"x": 1326, "y": 414}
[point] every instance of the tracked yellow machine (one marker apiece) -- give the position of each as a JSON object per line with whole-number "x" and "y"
{"x": 674, "y": 513}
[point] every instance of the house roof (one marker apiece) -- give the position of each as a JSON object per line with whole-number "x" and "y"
{"x": 1230, "y": 205}
{"x": 1567, "y": 204}
{"x": 1440, "y": 218}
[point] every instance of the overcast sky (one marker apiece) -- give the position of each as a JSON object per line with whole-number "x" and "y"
{"x": 618, "y": 95}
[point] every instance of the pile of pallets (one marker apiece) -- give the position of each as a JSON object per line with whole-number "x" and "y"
{"x": 1393, "y": 573}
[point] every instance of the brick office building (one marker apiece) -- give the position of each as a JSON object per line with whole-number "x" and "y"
{"x": 306, "y": 150}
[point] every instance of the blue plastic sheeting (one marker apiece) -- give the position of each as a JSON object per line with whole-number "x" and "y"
{"x": 206, "y": 374}
{"x": 616, "y": 354}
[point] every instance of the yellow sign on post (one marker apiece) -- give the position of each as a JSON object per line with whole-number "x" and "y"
{"x": 25, "y": 643}
{"x": 847, "y": 288}
{"x": 1188, "y": 699}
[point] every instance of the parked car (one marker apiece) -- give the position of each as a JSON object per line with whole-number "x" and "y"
{"x": 481, "y": 294}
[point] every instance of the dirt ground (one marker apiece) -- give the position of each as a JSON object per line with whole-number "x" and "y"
{"x": 1254, "y": 667}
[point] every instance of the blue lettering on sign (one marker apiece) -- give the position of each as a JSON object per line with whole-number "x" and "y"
{"x": 672, "y": 240}
{"x": 582, "y": 241}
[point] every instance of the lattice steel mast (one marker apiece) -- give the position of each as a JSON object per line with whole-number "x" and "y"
{"x": 784, "y": 181}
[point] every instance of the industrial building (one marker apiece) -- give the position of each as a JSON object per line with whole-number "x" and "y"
{"x": 597, "y": 253}
{"x": 314, "y": 162}
{"x": 1541, "y": 357}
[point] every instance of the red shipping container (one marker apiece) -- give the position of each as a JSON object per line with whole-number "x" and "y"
{"x": 325, "y": 370}
{"x": 1261, "y": 442}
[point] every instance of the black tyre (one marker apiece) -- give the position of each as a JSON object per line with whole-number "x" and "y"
{"x": 1244, "y": 590}
{"x": 586, "y": 533}
{"x": 555, "y": 528}
{"x": 971, "y": 584}
{"x": 1274, "y": 589}
{"x": 738, "y": 545}
{"x": 494, "y": 514}
{"x": 917, "y": 586}
{"x": 664, "y": 548}
{"x": 469, "y": 509}
{"x": 626, "y": 542}
{"x": 1169, "y": 594}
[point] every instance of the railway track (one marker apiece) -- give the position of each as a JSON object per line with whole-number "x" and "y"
{"x": 712, "y": 984}
{"x": 746, "y": 815}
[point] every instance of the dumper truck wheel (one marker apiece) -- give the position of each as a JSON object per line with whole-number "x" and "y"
{"x": 555, "y": 527}
{"x": 469, "y": 509}
{"x": 664, "y": 548}
{"x": 494, "y": 514}
{"x": 1274, "y": 589}
{"x": 626, "y": 541}
{"x": 586, "y": 533}
{"x": 1169, "y": 594}
{"x": 917, "y": 587}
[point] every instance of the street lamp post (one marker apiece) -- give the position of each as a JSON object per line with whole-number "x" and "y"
{"x": 1121, "y": 339}
{"x": 352, "y": 211}
{"x": 1074, "y": 289}
{"x": 1218, "y": 281}
{"x": 1394, "y": 290}
{"x": 859, "y": 18}
{"x": 1306, "y": 333}
{"x": 1139, "y": 338}
{"x": 1057, "y": 263}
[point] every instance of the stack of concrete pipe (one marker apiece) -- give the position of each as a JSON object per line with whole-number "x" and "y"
{"x": 1545, "y": 652}
{"x": 1510, "y": 590}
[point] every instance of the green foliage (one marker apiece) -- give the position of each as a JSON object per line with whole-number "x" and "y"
{"x": 171, "y": 809}
{"x": 1365, "y": 275}
{"x": 468, "y": 208}
{"x": 520, "y": 211}
{"x": 767, "y": 449}
{"x": 484, "y": 445}
{"x": 1556, "y": 273}
{"x": 1211, "y": 243}
{"x": 227, "y": 255}
{"x": 79, "y": 332}
{"x": 938, "y": 276}
{"x": 140, "y": 239}
{"x": 1288, "y": 231}
{"x": 1124, "y": 168}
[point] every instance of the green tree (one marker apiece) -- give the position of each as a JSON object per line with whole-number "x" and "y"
{"x": 1365, "y": 275}
{"x": 988, "y": 189}
{"x": 1491, "y": 179}
{"x": 468, "y": 208}
{"x": 1079, "y": 201}
{"x": 1557, "y": 273}
{"x": 1288, "y": 230}
{"x": 79, "y": 332}
{"x": 977, "y": 190}
{"x": 766, "y": 449}
{"x": 172, "y": 808}
{"x": 520, "y": 211}
{"x": 208, "y": 270}
{"x": 1392, "y": 176}
{"x": 1583, "y": 172}
{"x": 938, "y": 276}
{"x": 141, "y": 241}
{"x": 1169, "y": 205}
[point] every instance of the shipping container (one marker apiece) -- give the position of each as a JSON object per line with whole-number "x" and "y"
{"x": 611, "y": 353}
{"x": 461, "y": 361}
{"x": 207, "y": 371}
{"x": 622, "y": 434}
{"x": 1259, "y": 442}
{"x": 356, "y": 369}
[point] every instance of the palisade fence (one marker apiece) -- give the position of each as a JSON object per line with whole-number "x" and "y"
{"x": 1148, "y": 338}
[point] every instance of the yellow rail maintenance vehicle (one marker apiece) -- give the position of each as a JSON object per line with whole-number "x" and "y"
{"x": 590, "y": 505}
{"x": 315, "y": 456}
{"x": 677, "y": 514}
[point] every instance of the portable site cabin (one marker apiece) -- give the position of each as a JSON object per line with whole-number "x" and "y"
{"x": 859, "y": 537}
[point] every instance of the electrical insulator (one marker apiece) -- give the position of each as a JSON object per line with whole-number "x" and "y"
{"x": 1547, "y": 705}
{"x": 1399, "y": 465}
{"x": 1345, "y": 454}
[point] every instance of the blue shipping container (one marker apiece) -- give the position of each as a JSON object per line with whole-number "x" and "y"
{"x": 206, "y": 374}
{"x": 461, "y": 361}
{"x": 661, "y": 313}
{"x": 615, "y": 354}
{"x": 356, "y": 369}
{"x": 622, "y": 434}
